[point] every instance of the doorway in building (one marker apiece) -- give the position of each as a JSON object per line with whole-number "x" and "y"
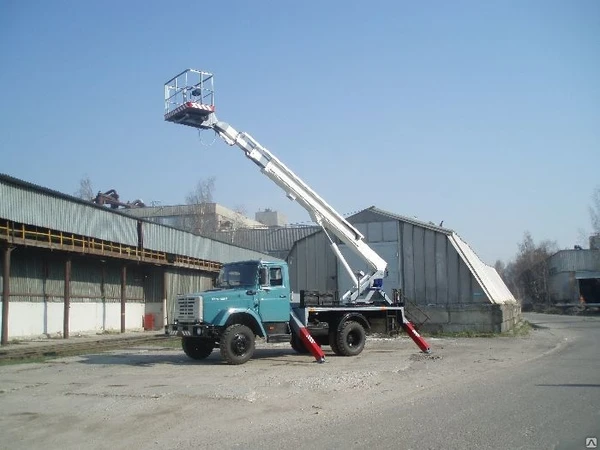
{"x": 589, "y": 290}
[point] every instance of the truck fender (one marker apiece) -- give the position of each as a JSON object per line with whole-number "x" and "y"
{"x": 356, "y": 317}
{"x": 244, "y": 316}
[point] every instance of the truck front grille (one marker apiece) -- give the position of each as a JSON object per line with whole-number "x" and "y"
{"x": 189, "y": 309}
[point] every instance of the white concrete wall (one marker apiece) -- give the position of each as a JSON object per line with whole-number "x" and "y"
{"x": 33, "y": 319}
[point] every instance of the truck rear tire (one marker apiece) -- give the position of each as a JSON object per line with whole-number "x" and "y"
{"x": 351, "y": 339}
{"x": 333, "y": 344}
{"x": 237, "y": 344}
{"x": 197, "y": 348}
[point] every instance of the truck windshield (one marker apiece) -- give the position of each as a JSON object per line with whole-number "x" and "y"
{"x": 237, "y": 275}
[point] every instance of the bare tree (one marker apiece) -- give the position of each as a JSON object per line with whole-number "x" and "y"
{"x": 595, "y": 211}
{"x": 527, "y": 276}
{"x": 85, "y": 191}
{"x": 240, "y": 214}
{"x": 500, "y": 267}
{"x": 199, "y": 200}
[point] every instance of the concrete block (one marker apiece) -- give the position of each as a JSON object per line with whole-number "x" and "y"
{"x": 476, "y": 317}
{"x": 481, "y": 314}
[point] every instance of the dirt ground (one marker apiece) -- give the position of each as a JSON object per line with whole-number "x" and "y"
{"x": 155, "y": 397}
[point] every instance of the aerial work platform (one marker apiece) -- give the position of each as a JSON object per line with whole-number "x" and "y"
{"x": 190, "y": 98}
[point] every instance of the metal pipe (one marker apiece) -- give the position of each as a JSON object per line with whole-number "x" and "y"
{"x": 5, "y": 293}
{"x": 123, "y": 296}
{"x": 67, "y": 298}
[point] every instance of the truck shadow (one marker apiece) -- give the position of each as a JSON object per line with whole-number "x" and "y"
{"x": 150, "y": 358}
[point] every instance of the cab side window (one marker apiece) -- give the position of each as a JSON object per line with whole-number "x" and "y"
{"x": 276, "y": 276}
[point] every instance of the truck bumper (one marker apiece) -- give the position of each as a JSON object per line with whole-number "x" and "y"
{"x": 207, "y": 331}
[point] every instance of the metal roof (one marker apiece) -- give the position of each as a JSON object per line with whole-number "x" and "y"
{"x": 356, "y": 218}
{"x": 276, "y": 241}
{"x": 8, "y": 180}
{"x": 487, "y": 276}
{"x": 574, "y": 260}
{"x": 35, "y": 205}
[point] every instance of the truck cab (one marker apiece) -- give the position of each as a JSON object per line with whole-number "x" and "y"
{"x": 250, "y": 298}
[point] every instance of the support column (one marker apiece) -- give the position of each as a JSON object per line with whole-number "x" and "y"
{"x": 165, "y": 284}
{"x": 67, "y": 299}
{"x": 123, "y": 296}
{"x": 5, "y": 292}
{"x": 103, "y": 292}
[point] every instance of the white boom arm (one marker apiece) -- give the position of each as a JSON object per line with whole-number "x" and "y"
{"x": 329, "y": 219}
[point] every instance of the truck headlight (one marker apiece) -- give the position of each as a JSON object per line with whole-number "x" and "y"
{"x": 200, "y": 312}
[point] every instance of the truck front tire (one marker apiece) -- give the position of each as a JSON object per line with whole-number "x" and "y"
{"x": 237, "y": 344}
{"x": 197, "y": 348}
{"x": 350, "y": 339}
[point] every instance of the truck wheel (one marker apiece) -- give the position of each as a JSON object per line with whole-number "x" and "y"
{"x": 351, "y": 338}
{"x": 333, "y": 344}
{"x": 197, "y": 348}
{"x": 237, "y": 344}
{"x": 298, "y": 345}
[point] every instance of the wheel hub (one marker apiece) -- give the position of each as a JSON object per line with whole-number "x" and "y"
{"x": 239, "y": 344}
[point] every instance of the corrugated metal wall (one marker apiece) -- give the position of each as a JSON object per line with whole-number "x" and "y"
{"x": 574, "y": 260}
{"x": 433, "y": 273}
{"x": 312, "y": 264}
{"x": 421, "y": 261}
{"x": 563, "y": 288}
{"x": 39, "y": 274}
{"x": 565, "y": 267}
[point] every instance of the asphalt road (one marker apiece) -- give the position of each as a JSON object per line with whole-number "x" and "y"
{"x": 539, "y": 391}
{"x": 549, "y": 400}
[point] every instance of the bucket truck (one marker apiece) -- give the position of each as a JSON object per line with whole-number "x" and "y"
{"x": 253, "y": 298}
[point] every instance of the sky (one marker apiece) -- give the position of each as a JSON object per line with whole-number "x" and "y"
{"x": 485, "y": 115}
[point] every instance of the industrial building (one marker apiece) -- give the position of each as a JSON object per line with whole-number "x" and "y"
{"x": 574, "y": 275}
{"x": 443, "y": 281}
{"x": 71, "y": 266}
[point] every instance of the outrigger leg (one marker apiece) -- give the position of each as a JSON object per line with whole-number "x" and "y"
{"x": 307, "y": 339}
{"x": 416, "y": 337}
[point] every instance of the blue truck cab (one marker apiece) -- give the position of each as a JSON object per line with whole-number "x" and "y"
{"x": 250, "y": 298}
